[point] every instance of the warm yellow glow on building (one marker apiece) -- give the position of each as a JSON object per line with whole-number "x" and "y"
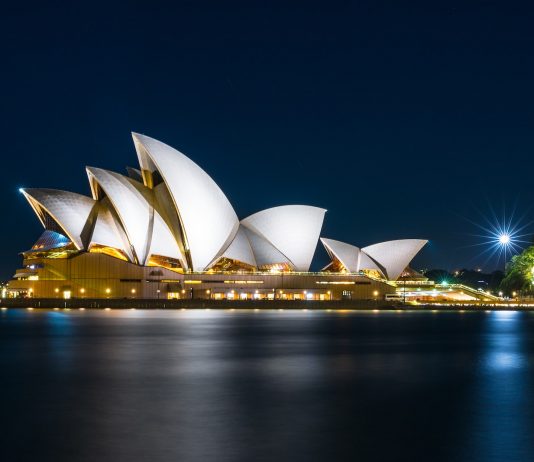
{"x": 340, "y": 283}
{"x": 111, "y": 251}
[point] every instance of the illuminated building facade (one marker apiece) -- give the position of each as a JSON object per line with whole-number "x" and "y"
{"x": 167, "y": 230}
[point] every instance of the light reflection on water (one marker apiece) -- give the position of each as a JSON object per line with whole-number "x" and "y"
{"x": 277, "y": 385}
{"x": 500, "y": 410}
{"x": 500, "y": 360}
{"x": 503, "y": 347}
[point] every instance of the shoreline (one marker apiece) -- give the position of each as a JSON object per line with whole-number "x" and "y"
{"x": 201, "y": 304}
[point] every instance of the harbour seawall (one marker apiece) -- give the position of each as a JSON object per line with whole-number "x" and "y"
{"x": 88, "y": 303}
{"x": 190, "y": 303}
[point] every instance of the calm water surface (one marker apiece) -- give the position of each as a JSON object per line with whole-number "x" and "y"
{"x": 268, "y": 386}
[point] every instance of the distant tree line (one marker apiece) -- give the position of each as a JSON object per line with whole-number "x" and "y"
{"x": 471, "y": 278}
{"x": 519, "y": 276}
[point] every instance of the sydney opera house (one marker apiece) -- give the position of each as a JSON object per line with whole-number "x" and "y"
{"x": 166, "y": 230}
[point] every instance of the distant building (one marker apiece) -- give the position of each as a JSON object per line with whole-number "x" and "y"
{"x": 416, "y": 287}
{"x": 168, "y": 231}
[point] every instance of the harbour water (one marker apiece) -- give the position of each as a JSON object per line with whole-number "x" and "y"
{"x": 222, "y": 385}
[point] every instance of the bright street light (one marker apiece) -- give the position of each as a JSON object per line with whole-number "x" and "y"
{"x": 502, "y": 236}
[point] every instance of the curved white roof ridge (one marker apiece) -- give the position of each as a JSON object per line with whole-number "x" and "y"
{"x": 264, "y": 252}
{"x": 207, "y": 217}
{"x": 145, "y": 162}
{"x": 293, "y": 229}
{"x": 130, "y": 205}
{"x": 161, "y": 238}
{"x": 240, "y": 249}
{"x": 69, "y": 210}
{"x": 350, "y": 256}
{"x": 134, "y": 204}
{"x": 163, "y": 242}
{"x": 164, "y": 204}
{"x": 395, "y": 255}
{"x": 108, "y": 231}
{"x": 368, "y": 263}
{"x": 347, "y": 254}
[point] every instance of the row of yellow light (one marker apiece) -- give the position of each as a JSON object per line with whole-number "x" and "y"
{"x": 5, "y": 308}
{"x": 208, "y": 291}
{"x": 281, "y": 292}
{"x": 82, "y": 290}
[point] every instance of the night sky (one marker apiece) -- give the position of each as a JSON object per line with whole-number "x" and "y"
{"x": 404, "y": 120}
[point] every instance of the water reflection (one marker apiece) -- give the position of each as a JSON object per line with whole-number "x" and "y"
{"x": 59, "y": 348}
{"x": 500, "y": 409}
{"x": 278, "y": 385}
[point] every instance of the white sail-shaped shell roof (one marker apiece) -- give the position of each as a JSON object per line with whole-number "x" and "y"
{"x": 108, "y": 231}
{"x": 240, "y": 249}
{"x": 69, "y": 210}
{"x": 347, "y": 254}
{"x": 129, "y": 204}
{"x": 145, "y": 162}
{"x": 265, "y": 253}
{"x": 164, "y": 205}
{"x": 293, "y": 229}
{"x": 350, "y": 256}
{"x": 146, "y": 230}
{"x": 390, "y": 258}
{"x": 367, "y": 263}
{"x": 395, "y": 256}
{"x": 209, "y": 222}
{"x": 163, "y": 242}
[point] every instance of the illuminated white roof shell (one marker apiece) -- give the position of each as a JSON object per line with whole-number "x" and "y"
{"x": 240, "y": 249}
{"x": 265, "y": 253}
{"x": 350, "y": 256}
{"x": 347, "y": 254}
{"x": 145, "y": 162}
{"x": 367, "y": 263}
{"x": 130, "y": 205}
{"x": 70, "y": 210}
{"x": 208, "y": 219}
{"x": 146, "y": 230}
{"x": 396, "y": 255}
{"x": 163, "y": 242}
{"x": 108, "y": 231}
{"x": 293, "y": 229}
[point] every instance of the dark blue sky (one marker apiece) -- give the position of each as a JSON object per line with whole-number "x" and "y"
{"x": 402, "y": 119}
